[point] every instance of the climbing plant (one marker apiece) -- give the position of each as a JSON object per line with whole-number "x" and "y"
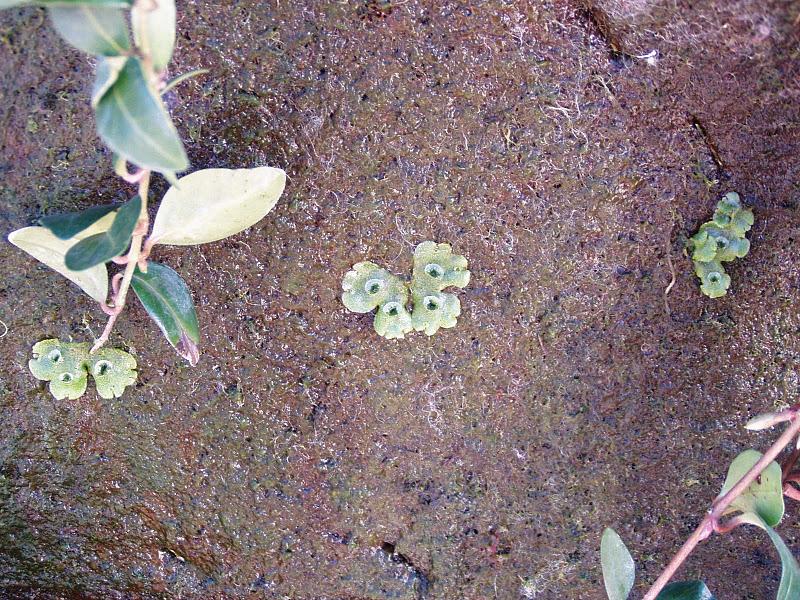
{"x": 753, "y": 494}
{"x": 132, "y": 120}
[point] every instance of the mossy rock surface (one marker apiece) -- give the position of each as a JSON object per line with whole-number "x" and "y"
{"x": 304, "y": 457}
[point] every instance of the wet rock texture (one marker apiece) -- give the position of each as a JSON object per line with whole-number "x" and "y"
{"x": 567, "y": 148}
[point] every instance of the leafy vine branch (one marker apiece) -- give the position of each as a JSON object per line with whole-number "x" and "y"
{"x": 132, "y": 120}
{"x": 711, "y": 523}
{"x": 752, "y": 495}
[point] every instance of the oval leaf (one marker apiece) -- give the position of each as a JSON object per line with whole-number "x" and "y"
{"x": 45, "y": 247}
{"x": 67, "y": 225}
{"x": 101, "y": 247}
{"x": 154, "y": 30}
{"x": 215, "y": 203}
{"x": 686, "y": 590}
{"x": 106, "y": 74}
{"x": 619, "y": 570}
{"x": 133, "y": 122}
{"x": 94, "y": 29}
{"x": 763, "y": 497}
{"x": 168, "y": 301}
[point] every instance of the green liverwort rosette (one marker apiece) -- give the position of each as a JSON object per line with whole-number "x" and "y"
{"x": 113, "y": 370}
{"x": 727, "y": 246}
{"x": 63, "y": 364}
{"x": 436, "y": 268}
{"x": 721, "y": 240}
{"x": 367, "y": 287}
{"x": 67, "y": 367}
{"x": 714, "y": 281}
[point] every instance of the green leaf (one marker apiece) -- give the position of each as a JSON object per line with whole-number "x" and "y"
{"x": 212, "y": 204}
{"x": 94, "y": 29}
{"x": 67, "y": 225}
{"x": 789, "y": 588}
{"x": 154, "y": 30}
{"x": 132, "y": 121}
{"x": 73, "y": 3}
{"x": 106, "y": 74}
{"x": 168, "y": 301}
{"x": 181, "y": 78}
{"x": 45, "y": 247}
{"x": 686, "y": 590}
{"x": 763, "y": 497}
{"x": 101, "y": 247}
{"x": 619, "y": 570}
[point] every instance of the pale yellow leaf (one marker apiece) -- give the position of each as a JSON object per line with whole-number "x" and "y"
{"x": 212, "y": 204}
{"x": 45, "y": 247}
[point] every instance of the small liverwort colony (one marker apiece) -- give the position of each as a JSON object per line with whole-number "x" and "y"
{"x": 67, "y": 367}
{"x": 368, "y": 286}
{"x": 722, "y": 239}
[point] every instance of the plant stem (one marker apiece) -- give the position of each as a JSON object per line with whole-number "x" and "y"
{"x": 711, "y": 521}
{"x": 132, "y": 259}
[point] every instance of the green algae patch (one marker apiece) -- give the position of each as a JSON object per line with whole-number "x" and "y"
{"x": 722, "y": 239}
{"x": 368, "y": 286}
{"x": 67, "y": 367}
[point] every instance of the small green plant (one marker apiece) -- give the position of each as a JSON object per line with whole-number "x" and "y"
{"x": 753, "y": 494}
{"x": 722, "y": 239}
{"x": 67, "y": 367}
{"x": 199, "y": 208}
{"x": 368, "y": 286}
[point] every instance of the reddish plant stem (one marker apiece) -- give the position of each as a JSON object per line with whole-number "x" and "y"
{"x": 789, "y": 463}
{"x": 120, "y": 286}
{"x": 710, "y": 522}
{"x": 791, "y": 492}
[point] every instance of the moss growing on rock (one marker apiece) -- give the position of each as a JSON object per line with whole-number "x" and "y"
{"x": 720, "y": 240}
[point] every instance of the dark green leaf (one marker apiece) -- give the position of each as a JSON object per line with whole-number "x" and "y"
{"x": 686, "y": 590}
{"x": 132, "y": 120}
{"x": 619, "y": 570}
{"x": 94, "y": 29}
{"x": 102, "y": 247}
{"x": 112, "y": 3}
{"x": 168, "y": 301}
{"x": 66, "y": 225}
